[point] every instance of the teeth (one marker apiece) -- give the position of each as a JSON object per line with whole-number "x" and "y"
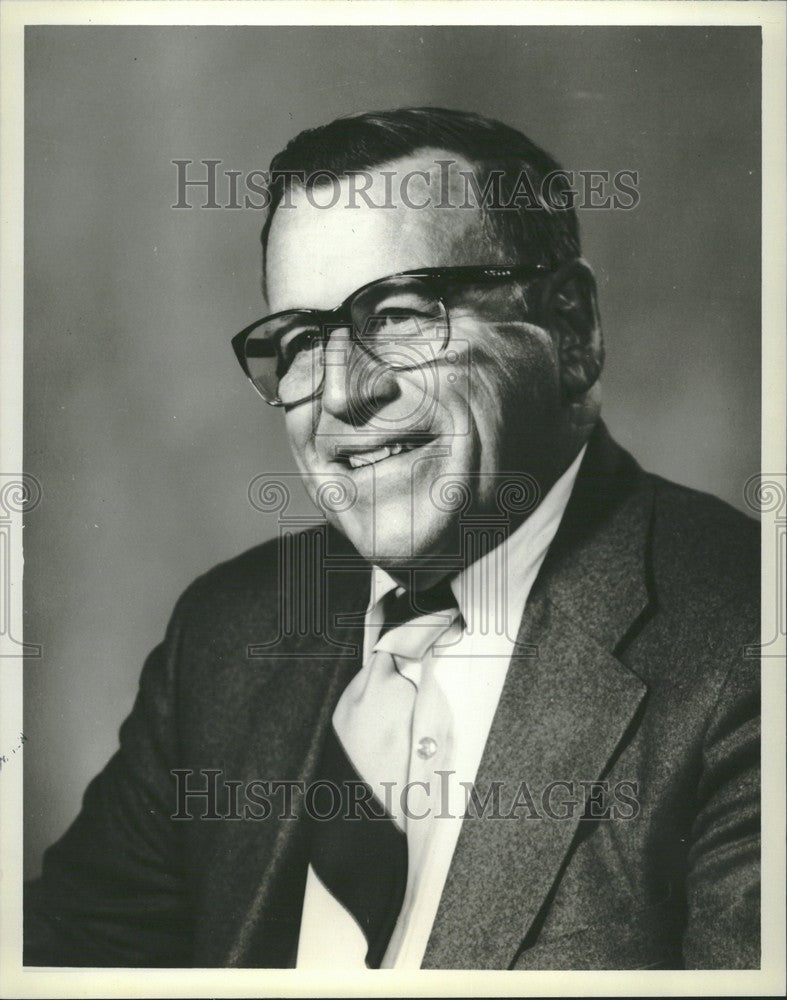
{"x": 370, "y": 457}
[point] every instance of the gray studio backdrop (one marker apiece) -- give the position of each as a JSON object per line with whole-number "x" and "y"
{"x": 138, "y": 422}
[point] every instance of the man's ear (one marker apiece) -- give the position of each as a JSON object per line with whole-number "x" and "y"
{"x": 569, "y": 310}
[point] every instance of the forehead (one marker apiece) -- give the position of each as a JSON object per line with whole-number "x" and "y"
{"x": 316, "y": 256}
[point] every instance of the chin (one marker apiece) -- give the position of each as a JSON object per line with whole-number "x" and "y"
{"x": 395, "y": 544}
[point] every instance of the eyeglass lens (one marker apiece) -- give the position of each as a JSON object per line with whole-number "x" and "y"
{"x": 399, "y": 322}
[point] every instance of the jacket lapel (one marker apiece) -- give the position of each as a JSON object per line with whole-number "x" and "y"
{"x": 564, "y": 709}
{"x": 303, "y": 683}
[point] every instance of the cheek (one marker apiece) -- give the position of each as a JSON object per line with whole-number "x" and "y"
{"x": 511, "y": 357}
{"x": 520, "y": 371}
{"x": 300, "y": 423}
{"x": 514, "y": 393}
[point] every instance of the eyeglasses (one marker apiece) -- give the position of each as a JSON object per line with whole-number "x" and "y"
{"x": 400, "y": 322}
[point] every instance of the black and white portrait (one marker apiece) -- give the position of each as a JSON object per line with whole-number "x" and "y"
{"x": 393, "y": 481}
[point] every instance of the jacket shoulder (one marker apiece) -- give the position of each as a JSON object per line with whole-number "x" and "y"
{"x": 705, "y": 554}
{"x": 255, "y": 581}
{"x": 250, "y": 570}
{"x": 247, "y": 578}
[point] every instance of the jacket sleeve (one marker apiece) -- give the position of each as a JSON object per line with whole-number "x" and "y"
{"x": 723, "y": 887}
{"x": 112, "y": 888}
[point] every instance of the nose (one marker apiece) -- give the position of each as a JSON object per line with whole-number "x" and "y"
{"x": 355, "y": 385}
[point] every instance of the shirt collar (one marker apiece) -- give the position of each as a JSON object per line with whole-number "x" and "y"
{"x": 519, "y": 557}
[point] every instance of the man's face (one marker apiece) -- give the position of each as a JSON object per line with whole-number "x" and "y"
{"x": 486, "y": 410}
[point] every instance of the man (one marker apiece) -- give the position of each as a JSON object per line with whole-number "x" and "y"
{"x": 518, "y": 660}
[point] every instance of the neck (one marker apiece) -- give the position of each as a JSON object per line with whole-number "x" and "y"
{"x": 474, "y": 536}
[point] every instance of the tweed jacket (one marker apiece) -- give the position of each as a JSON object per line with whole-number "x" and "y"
{"x": 636, "y": 663}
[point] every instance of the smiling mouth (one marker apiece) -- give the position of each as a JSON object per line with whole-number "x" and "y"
{"x": 357, "y": 457}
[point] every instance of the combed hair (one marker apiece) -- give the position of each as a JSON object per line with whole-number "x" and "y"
{"x": 368, "y": 139}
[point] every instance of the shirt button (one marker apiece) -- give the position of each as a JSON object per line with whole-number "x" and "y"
{"x": 427, "y": 747}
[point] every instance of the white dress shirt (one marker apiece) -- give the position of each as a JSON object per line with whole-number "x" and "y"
{"x": 459, "y": 683}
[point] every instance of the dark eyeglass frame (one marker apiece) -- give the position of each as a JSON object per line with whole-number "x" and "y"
{"x": 332, "y": 319}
